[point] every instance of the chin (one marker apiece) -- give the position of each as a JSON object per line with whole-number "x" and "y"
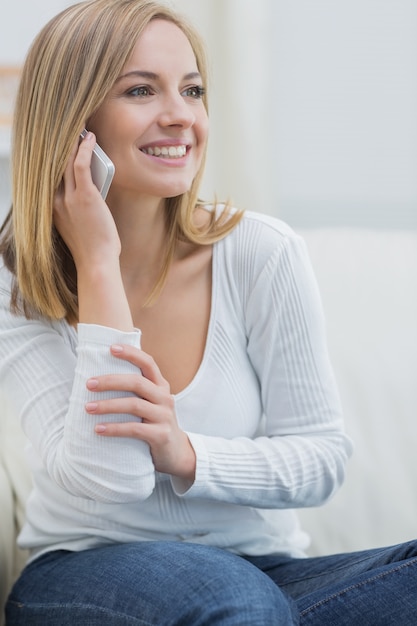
{"x": 172, "y": 191}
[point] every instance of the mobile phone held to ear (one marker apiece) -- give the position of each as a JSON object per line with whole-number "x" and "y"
{"x": 102, "y": 169}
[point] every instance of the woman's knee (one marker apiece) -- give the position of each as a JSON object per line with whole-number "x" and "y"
{"x": 154, "y": 583}
{"x": 228, "y": 590}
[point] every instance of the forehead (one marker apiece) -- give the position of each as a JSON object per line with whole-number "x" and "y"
{"x": 162, "y": 46}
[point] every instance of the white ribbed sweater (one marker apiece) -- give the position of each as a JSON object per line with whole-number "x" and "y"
{"x": 262, "y": 414}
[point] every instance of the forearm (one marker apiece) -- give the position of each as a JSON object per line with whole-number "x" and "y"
{"x": 106, "y": 470}
{"x": 44, "y": 383}
{"x": 276, "y": 472}
{"x": 102, "y": 298}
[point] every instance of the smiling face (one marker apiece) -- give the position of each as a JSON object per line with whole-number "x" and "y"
{"x": 153, "y": 124}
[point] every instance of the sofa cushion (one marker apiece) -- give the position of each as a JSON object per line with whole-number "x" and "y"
{"x": 17, "y": 479}
{"x": 368, "y": 282}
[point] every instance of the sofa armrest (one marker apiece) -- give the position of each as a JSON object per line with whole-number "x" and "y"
{"x": 7, "y": 537}
{"x": 15, "y": 485}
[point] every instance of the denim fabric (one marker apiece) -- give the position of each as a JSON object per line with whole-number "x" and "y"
{"x": 149, "y": 583}
{"x": 167, "y": 584}
{"x": 370, "y": 588}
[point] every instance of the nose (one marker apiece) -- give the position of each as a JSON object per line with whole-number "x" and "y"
{"x": 176, "y": 111}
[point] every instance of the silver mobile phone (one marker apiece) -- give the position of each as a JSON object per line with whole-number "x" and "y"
{"x": 102, "y": 169}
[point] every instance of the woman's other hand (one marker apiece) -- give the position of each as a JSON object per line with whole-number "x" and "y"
{"x": 153, "y": 405}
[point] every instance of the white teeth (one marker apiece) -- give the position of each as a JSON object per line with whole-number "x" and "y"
{"x": 166, "y": 151}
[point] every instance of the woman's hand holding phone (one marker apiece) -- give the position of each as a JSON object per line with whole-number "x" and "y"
{"x": 86, "y": 225}
{"x": 80, "y": 213}
{"x": 102, "y": 168}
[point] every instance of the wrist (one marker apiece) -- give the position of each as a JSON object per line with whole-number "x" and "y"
{"x": 188, "y": 466}
{"x": 101, "y": 296}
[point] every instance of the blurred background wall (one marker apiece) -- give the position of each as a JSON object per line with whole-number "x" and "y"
{"x": 313, "y": 104}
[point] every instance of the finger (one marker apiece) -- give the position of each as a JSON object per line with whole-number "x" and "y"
{"x": 134, "y": 406}
{"x": 69, "y": 178}
{"x": 141, "y": 359}
{"x": 131, "y": 430}
{"x": 82, "y": 162}
{"x": 136, "y": 430}
{"x": 136, "y": 384}
{"x": 130, "y": 405}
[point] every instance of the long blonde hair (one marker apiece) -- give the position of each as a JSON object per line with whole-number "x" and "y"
{"x": 71, "y": 66}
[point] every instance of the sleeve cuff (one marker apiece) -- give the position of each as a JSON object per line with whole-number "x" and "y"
{"x": 105, "y": 335}
{"x": 198, "y": 488}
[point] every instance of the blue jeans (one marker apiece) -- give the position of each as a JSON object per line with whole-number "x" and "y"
{"x": 167, "y": 584}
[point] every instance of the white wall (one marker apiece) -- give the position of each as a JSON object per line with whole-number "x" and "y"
{"x": 317, "y": 106}
{"x": 313, "y": 103}
{"x": 20, "y": 22}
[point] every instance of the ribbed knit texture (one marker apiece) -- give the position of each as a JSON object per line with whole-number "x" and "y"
{"x": 262, "y": 413}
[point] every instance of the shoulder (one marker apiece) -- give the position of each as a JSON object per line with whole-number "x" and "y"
{"x": 268, "y": 229}
{"x": 262, "y": 255}
{"x": 16, "y": 319}
{"x": 262, "y": 239}
{"x": 6, "y": 279}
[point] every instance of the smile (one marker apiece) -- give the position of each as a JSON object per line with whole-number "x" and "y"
{"x": 168, "y": 152}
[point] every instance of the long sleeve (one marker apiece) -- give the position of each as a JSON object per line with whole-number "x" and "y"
{"x": 262, "y": 414}
{"x": 44, "y": 367}
{"x": 297, "y": 457}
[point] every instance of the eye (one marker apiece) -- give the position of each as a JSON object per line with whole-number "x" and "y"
{"x": 196, "y": 91}
{"x": 142, "y": 91}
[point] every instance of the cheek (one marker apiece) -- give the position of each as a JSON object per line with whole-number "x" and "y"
{"x": 203, "y": 128}
{"x": 201, "y": 136}
{"x": 110, "y": 125}
{"x": 97, "y": 123}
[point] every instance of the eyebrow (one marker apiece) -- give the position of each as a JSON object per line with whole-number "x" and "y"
{"x": 153, "y": 76}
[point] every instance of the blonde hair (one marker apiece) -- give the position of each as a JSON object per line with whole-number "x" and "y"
{"x": 71, "y": 66}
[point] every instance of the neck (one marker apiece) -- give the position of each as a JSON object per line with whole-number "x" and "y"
{"x": 142, "y": 231}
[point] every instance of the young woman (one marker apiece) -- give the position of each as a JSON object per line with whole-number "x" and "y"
{"x": 166, "y": 358}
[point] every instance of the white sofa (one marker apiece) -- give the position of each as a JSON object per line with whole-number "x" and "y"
{"x": 368, "y": 281}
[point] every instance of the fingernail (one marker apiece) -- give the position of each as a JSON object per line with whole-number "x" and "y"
{"x": 100, "y": 428}
{"x": 90, "y": 407}
{"x": 117, "y": 348}
{"x": 92, "y": 383}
